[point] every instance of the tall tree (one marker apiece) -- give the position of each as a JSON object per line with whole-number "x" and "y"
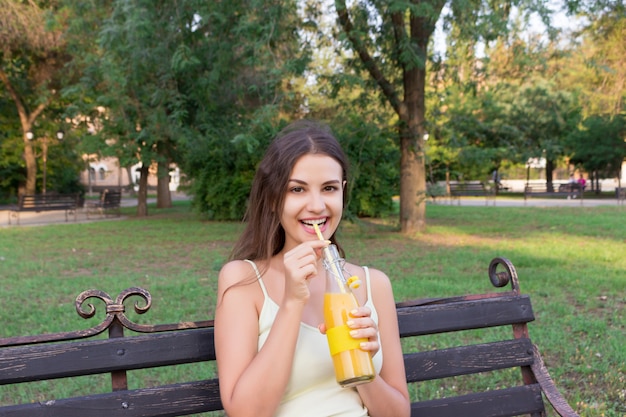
{"x": 599, "y": 146}
{"x": 144, "y": 105}
{"x": 545, "y": 116}
{"x": 597, "y": 64}
{"x": 32, "y": 57}
{"x": 391, "y": 41}
{"x": 402, "y": 36}
{"x": 247, "y": 56}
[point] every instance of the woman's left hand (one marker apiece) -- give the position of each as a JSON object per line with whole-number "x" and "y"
{"x": 361, "y": 327}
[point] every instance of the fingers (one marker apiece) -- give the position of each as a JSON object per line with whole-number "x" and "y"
{"x": 301, "y": 261}
{"x": 363, "y": 327}
{"x": 301, "y": 264}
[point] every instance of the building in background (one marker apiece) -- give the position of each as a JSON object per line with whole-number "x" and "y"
{"x": 106, "y": 173}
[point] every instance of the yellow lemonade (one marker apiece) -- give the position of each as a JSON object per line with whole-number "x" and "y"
{"x": 353, "y": 366}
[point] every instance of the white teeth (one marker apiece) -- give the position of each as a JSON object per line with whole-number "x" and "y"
{"x": 312, "y": 222}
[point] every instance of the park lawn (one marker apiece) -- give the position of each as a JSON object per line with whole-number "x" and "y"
{"x": 570, "y": 260}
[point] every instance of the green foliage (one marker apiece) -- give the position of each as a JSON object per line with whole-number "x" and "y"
{"x": 600, "y": 145}
{"x": 12, "y": 170}
{"x": 223, "y": 163}
{"x": 139, "y": 90}
{"x": 507, "y": 123}
{"x": 373, "y": 156}
{"x": 545, "y": 116}
{"x": 233, "y": 73}
{"x": 225, "y": 169}
{"x": 474, "y": 136}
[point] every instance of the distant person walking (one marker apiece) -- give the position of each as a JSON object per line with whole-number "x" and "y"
{"x": 572, "y": 186}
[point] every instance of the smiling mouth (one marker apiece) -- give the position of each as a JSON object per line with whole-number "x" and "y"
{"x": 311, "y": 223}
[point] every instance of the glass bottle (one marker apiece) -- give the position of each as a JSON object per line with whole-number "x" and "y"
{"x": 353, "y": 366}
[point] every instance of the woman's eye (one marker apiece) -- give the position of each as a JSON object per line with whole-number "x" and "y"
{"x": 296, "y": 189}
{"x": 330, "y": 188}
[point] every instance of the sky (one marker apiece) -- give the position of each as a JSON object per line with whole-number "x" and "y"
{"x": 559, "y": 20}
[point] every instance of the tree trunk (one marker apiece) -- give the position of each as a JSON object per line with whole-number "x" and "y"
{"x": 412, "y": 184}
{"x": 549, "y": 173}
{"x": 31, "y": 166}
{"x": 410, "y": 110}
{"x": 412, "y": 162}
{"x": 164, "y": 197}
{"x": 142, "y": 195}
{"x": 27, "y": 121}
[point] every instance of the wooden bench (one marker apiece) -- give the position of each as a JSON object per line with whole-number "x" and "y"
{"x": 45, "y": 202}
{"x": 527, "y": 390}
{"x": 569, "y": 191}
{"x": 108, "y": 202}
{"x": 472, "y": 189}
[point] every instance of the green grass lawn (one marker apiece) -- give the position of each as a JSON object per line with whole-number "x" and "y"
{"x": 572, "y": 261}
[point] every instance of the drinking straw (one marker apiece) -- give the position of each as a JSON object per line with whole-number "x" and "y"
{"x": 330, "y": 261}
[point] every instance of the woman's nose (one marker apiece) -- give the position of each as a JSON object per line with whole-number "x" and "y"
{"x": 316, "y": 202}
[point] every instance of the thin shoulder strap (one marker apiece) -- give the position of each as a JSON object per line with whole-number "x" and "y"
{"x": 367, "y": 283}
{"x": 258, "y": 276}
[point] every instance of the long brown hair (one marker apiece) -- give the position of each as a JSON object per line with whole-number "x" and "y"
{"x": 264, "y": 236}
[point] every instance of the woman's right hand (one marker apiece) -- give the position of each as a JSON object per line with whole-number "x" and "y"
{"x": 301, "y": 263}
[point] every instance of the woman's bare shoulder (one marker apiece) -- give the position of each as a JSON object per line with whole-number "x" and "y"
{"x": 236, "y": 272}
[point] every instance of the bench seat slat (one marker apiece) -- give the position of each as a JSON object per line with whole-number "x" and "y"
{"x": 508, "y": 402}
{"x": 472, "y": 314}
{"x": 164, "y": 401}
{"x": 40, "y": 362}
{"x": 464, "y": 360}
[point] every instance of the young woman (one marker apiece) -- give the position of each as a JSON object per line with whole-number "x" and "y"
{"x": 272, "y": 353}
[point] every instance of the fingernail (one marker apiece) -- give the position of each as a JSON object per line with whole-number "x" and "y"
{"x": 350, "y": 323}
{"x": 353, "y": 333}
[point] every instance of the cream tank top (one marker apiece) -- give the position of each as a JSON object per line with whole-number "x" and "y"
{"x": 312, "y": 390}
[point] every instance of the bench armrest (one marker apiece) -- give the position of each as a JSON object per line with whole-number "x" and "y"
{"x": 548, "y": 387}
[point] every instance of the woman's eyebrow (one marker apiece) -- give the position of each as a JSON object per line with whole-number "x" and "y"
{"x": 324, "y": 183}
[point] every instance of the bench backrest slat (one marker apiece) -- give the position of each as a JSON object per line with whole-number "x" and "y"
{"x": 164, "y": 401}
{"x": 112, "y": 202}
{"x": 464, "y": 360}
{"x": 40, "y": 362}
{"x": 48, "y": 201}
{"x": 111, "y": 199}
{"x": 497, "y": 403}
{"x": 464, "y": 315}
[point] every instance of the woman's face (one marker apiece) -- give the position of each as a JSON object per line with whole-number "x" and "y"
{"x": 314, "y": 196}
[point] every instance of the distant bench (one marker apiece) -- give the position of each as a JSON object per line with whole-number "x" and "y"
{"x": 45, "y": 202}
{"x": 471, "y": 189}
{"x": 67, "y": 355}
{"x": 109, "y": 201}
{"x": 569, "y": 190}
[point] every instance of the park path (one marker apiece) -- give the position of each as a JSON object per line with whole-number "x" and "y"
{"x": 58, "y": 217}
